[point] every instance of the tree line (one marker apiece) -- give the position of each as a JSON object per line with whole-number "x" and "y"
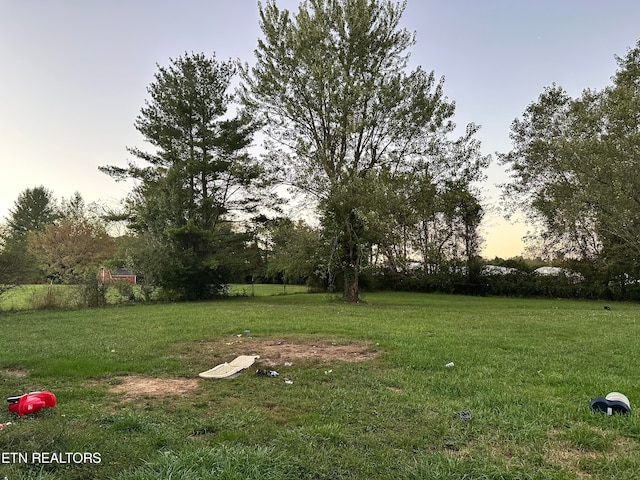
{"x": 372, "y": 147}
{"x": 575, "y": 169}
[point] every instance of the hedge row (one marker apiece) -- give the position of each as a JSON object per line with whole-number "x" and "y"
{"x": 520, "y": 284}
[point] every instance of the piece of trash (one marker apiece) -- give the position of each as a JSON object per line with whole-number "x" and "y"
{"x": 449, "y": 365}
{"x": 6, "y": 424}
{"x": 202, "y": 432}
{"x": 266, "y": 373}
{"x": 288, "y": 364}
{"x": 239, "y": 335}
{"x": 31, "y": 402}
{"x": 288, "y": 382}
{"x": 327, "y": 372}
{"x": 231, "y": 369}
{"x": 466, "y": 416}
{"x": 612, "y": 404}
{"x": 247, "y": 332}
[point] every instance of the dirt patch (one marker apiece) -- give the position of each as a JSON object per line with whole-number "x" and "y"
{"x": 567, "y": 456}
{"x": 279, "y": 351}
{"x": 273, "y": 352}
{"x": 15, "y": 372}
{"x": 134, "y": 387}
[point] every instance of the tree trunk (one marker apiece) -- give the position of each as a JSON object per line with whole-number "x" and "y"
{"x": 352, "y": 266}
{"x": 351, "y": 287}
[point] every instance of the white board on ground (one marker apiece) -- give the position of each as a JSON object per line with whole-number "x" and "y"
{"x": 231, "y": 369}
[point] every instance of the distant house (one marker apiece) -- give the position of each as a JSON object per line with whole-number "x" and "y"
{"x": 106, "y": 277}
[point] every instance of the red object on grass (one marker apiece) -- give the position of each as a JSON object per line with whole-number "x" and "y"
{"x": 32, "y": 402}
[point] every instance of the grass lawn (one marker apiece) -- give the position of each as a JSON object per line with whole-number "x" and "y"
{"x": 524, "y": 371}
{"x": 29, "y": 297}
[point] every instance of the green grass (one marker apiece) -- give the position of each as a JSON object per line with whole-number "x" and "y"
{"x": 524, "y": 369}
{"x": 30, "y": 297}
{"x": 24, "y": 296}
{"x": 265, "y": 289}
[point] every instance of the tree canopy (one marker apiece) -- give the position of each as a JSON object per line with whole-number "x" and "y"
{"x": 195, "y": 178}
{"x": 330, "y": 85}
{"x": 575, "y": 165}
{"x": 33, "y": 210}
{"x": 74, "y": 245}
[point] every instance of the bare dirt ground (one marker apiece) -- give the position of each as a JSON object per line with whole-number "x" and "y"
{"x": 272, "y": 351}
{"x": 134, "y": 386}
{"x": 277, "y": 352}
{"x": 15, "y": 372}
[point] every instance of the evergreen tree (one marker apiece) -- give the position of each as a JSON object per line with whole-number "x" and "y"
{"x": 197, "y": 176}
{"x": 33, "y": 210}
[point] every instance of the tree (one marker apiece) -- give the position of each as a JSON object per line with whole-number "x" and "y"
{"x": 330, "y": 86}
{"x": 197, "y": 177}
{"x": 437, "y": 213}
{"x": 465, "y": 214}
{"x": 74, "y": 245}
{"x": 33, "y": 210}
{"x": 9, "y": 262}
{"x": 575, "y": 165}
{"x": 294, "y": 251}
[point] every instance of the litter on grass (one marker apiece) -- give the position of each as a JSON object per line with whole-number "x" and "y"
{"x": 231, "y": 369}
{"x": 449, "y": 365}
{"x": 466, "y": 416}
{"x": 31, "y": 402}
{"x": 266, "y": 373}
{"x": 614, "y": 403}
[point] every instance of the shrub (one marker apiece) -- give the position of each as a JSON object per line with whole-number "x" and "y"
{"x": 92, "y": 293}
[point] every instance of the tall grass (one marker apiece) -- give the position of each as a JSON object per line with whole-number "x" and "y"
{"x": 524, "y": 371}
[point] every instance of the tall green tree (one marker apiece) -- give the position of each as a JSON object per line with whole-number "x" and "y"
{"x": 575, "y": 165}
{"x": 331, "y": 87}
{"x": 33, "y": 210}
{"x": 195, "y": 178}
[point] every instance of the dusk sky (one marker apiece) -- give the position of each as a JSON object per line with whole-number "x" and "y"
{"x": 75, "y": 73}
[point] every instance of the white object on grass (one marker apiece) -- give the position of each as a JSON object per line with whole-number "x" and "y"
{"x": 231, "y": 369}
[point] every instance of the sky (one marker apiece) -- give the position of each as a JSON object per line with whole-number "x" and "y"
{"x": 74, "y": 73}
